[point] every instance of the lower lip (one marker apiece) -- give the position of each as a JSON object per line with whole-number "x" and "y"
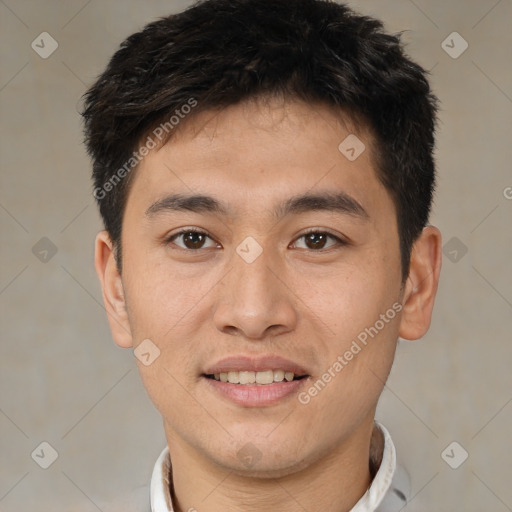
{"x": 249, "y": 395}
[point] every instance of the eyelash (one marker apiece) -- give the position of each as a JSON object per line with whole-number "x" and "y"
{"x": 339, "y": 241}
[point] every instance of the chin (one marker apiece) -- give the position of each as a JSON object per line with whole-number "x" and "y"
{"x": 263, "y": 458}
{"x": 269, "y": 469}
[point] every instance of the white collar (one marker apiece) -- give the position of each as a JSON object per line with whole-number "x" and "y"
{"x": 162, "y": 475}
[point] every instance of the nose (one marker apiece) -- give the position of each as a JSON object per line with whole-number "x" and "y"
{"x": 255, "y": 301}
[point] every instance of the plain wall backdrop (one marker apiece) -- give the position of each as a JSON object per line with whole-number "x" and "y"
{"x": 64, "y": 382}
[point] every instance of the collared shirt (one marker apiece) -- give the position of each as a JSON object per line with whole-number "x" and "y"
{"x": 383, "y": 495}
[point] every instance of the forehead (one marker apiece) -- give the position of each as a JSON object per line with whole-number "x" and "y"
{"x": 247, "y": 126}
{"x": 255, "y": 152}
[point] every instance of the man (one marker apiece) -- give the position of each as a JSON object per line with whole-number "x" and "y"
{"x": 264, "y": 171}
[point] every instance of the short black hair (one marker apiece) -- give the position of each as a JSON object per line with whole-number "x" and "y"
{"x": 218, "y": 53}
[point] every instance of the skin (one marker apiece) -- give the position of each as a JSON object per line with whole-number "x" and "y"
{"x": 305, "y": 304}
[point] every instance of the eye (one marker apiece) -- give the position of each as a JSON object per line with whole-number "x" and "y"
{"x": 316, "y": 240}
{"x": 192, "y": 239}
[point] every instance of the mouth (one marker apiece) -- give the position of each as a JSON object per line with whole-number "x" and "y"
{"x": 255, "y": 381}
{"x": 260, "y": 378}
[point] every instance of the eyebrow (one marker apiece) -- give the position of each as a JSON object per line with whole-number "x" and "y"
{"x": 339, "y": 202}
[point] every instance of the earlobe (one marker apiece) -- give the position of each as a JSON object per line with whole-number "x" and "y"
{"x": 112, "y": 290}
{"x": 421, "y": 286}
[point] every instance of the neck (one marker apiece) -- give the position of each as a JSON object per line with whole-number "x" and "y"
{"x": 334, "y": 482}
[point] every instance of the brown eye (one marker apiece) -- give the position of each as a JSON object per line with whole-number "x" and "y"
{"x": 317, "y": 240}
{"x": 190, "y": 239}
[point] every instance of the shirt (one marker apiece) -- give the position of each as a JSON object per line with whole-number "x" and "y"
{"x": 385, "y": 493}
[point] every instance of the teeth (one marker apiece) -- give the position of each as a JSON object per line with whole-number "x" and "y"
{"x": 247, "y": 377}
{"x": 264, "y": 377}
{"x": 278, "y": 375}
{"x": 234, "y": 377}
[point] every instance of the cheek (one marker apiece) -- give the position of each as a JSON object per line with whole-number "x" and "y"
{"x": 160, "y": 298}
{"x": 346, "y": 300}
{"x": 169, "y": 315}
{"x": 357, "y": 312}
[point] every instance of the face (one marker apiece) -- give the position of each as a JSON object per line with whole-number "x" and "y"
{"x": 259, "y": 276}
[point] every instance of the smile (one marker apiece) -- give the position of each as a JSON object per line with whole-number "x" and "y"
{"x": 264, "y": 377}
{"x": 255, "y": 389}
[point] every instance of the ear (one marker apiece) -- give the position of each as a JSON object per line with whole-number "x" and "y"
{"x": 112, "y": 288}
{"x": 421, "y": 285}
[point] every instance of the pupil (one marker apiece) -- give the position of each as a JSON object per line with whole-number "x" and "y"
{"x": 196, "y": 240}
{"x": 315, "y": 244}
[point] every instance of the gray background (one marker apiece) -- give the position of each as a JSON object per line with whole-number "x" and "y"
{"x": 63, "y": 381}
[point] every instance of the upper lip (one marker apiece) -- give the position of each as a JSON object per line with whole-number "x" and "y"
{"x": 255, "y": 364}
